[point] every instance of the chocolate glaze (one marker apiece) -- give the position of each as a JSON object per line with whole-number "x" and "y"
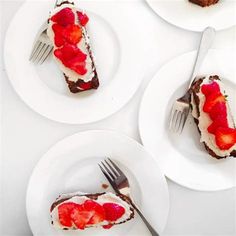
{"x": 105, "y": 186}
{"x": 75, "y": 87}
{"x": 64, "y": 2}
{"x": 204, "y": 3}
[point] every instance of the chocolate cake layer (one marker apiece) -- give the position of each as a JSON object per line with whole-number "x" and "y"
{"x": 204, "y": 3}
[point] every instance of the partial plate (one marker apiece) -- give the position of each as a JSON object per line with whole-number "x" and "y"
{"x": 187, "y": 15}
{"x": 43, "y": 87}
{"x": 183, "y": 158}
{"x": 72, "y": 165}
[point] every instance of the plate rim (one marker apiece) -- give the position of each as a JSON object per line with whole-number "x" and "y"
{"x": 43, "y": 158}
{"x": 110, "y": 109}
{"x": 195, "y": 29}
{"x": 143, "y": 140}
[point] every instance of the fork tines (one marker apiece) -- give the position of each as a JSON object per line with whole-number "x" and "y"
{"x": 40, "y": 52}
{"x": 177, "y": 120}
{"x": 110, "y": 169}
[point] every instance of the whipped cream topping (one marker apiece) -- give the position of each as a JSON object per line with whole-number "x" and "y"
{"x": 82, "y": 45}
{"x": 104, "y": 198}
{"x": 205, "y": 120}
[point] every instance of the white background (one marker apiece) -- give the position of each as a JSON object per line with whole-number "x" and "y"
{"x": 26, "y": 136}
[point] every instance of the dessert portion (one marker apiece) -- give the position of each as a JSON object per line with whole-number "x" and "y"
{"x": 204, "y": 3}
{"x": 211, "y": 113}
{"x": 72, "y": 51}
{"x": 77, "y": 211}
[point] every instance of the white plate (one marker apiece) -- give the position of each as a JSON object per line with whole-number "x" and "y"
{"x": 183, "y": 158}
{"x": 187, "y": 15}
{"x": 43, "y": 87}
{"x": 71, "y": 165}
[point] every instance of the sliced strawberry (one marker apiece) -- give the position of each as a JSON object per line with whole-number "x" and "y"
{"x": 96, "y": 209}
{"x": 68, "y": 52}
{"x": 58, "y": 40}
{"x": 72, "y": 57}
{"x": 220, "y": 121}
{"x": 88, "y": 213}
{"x": 64, "y": 212}
{"x": 211, "y": 100}
{"x": 58, "y": 35}
{"x": 76, "y": 65}
{"x": 64, "y": 17}
{"x": 107, "y": 226}
{"x": 83, "y": 18}
{"x": 208, "y": 89}
{"x": 72, "y": 34}
{"x": 113, "y": 211}
{"x": 80, "y": 216}
{"x": 57, "y": 29}
{"x": 225, "y": 138}
{"x": 219, "y": 109}
{"x": 86, "y": 85}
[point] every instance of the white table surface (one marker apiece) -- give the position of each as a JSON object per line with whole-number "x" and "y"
{"x": 26, "y": 136}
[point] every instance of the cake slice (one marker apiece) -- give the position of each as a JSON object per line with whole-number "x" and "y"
{"x": 78, "y": 211}
{"x": 212, "y": 116}
{"x": 72, "y": 50}
{"x": 204, "y": 3}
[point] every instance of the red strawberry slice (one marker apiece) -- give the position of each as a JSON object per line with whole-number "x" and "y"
{"x": 86, "y": 85}
{"x": 211, "y": 100}
{"x": 96, "y": 209}
{"x": 66, "y": 53}
{"x": 64, "y": 212}
{"x": 58, "y": 40}
{"x": 221, "y": 121}
{"x": 72, "y": 57}
{"x": 72, "y": 34}
{"x": 80, "y": 216}
{"x": 113, "y": 211}
{"x": 83, "y": 18}
{"x": 219, "y": 109}
{"x": 64, "y": 17}
{"x": 107, "y": 226}
{"x": 213, "y": 87}
{"x": 58, "y": 29}
{"x": 69, "y": 52}
{"x": 58, "y": 35}
{"x": 76, "y": 65}
{"x": 225, "y": 138}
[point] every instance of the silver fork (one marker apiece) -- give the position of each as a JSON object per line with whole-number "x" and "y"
{"x": 43, "y": 45}
{"x": 120, "y": 184}
{"x": 181, "y": 106}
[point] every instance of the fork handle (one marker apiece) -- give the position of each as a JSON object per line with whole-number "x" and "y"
{"x": 150, "y": 228}
{"x": 207, "y": 39}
